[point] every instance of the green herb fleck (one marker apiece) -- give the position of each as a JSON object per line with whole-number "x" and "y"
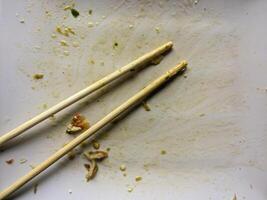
{"x": 75, "y": 13}
{"x": 90, "y": 12}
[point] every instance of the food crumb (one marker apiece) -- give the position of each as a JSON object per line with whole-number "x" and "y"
{"x": 44, "y": 106}
{"x": 10, "y": 161}
{"x": 35, "y": 187}
{"x": 163, "y": 152}
{"x": 90, "y": 12}
{"x": 21, "y": 161}
{"x": 108, "y": 149}
{"x": 75, "y": 13}
{"x": 124, "y": 174}
{"x": 145, "y": 106}
{"x": 123, "y": 167}
{"x": 96, "y": 145}
{"x": 202, "y": 115}
{"x": 157, "y": 29}
{"x": 92, "y": 169}
{"x": 138, "y": 178}
{"x": 67, "y": 7}
{"x": 22, "y": 21}
{"x": 130, "y": 189}
{"x": 53, "y": 35}
{"x": 115, "y": 45}
{"x": 130, "y": 26}
{"x": 78, "y": 123}
{"x": 96, "y": 155}
{"x": 38, "y": 76}
{"x": 64, "y": 43}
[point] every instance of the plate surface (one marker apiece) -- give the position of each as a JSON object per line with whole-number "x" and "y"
{"x": 212, "y": 123}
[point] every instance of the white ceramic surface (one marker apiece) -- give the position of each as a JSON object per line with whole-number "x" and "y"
{"x": 212, "y": 124}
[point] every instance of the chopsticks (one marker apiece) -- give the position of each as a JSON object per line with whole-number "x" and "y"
{"x": 81, "y": 94}
{"x": 92, "y": 130}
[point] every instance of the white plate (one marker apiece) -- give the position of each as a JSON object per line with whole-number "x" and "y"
{"x": 212, "y": 124}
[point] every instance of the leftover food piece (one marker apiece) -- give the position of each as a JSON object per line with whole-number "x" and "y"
{"x": 35, "y": 187}
{"x": 92, "y": 169}
{"x": 145, "y": 106}
{"x": 130, "y": 189}
{"x": 122, "y": 167}
{"x": 96, "y": 145}
{"x": 163, "y": 152}
{"x": 10, "y": 161}
{"x": 78, "y": 123}
{"x": 138, "y": 178}
{"x": 90, "y": 12}
{"x": 75, "y": 13}
{"x": 38, "y": 76}
{"x": 96, "y": 155}
{"x": 21, "y": 161}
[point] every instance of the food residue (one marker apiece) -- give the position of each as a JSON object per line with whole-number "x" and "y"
{"x": 64, "y": 43}
{"x": 75, "y": 13}
{"x": 92, "y": 169}
{"x": 21, "y": 161}
{"x": 93, "y": 157}
{"x": 38, "y": 76}
{"x": 96, "y": 155}
{"x": 78, "y": 123}
{"x": 90, "y": 12}
{"x": 123, "y": 167}
{"x": 35, "y": 187}
{"x": 130, "y": 189}
{"x": 10, "y": 161}
{"x": 115, "y": 45}
{"x": 138, "y": 178}
{"x": 145, "y": 106}
{"x": 163, "y": 152}
{"x": 96, "y": 145}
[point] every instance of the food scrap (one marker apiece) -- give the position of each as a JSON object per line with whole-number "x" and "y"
{"x": 138, "y": 178}
{"x": 130, "y": 189}
{"x": 145, "y": 106}
{"x": 21, "y": 161}
{"x": 90, "y": 12}
{"x": 163, "y": 152}
{"x": 122, "y": 167}
{"x": 78, "y": 123}
{"x": 115, "y": 45}
{"x": 96, "y": 155}
{"x": 38, "y": 76}
{"x": 64, "y": 43}
{"x": 92, "y": 169}
{"x": 10, "y": 161}
{"x": 75, "y": 13}
{"x": 96, "y": 145}
{"x": 35, "y": 187}
{"x": 93, "y": 157}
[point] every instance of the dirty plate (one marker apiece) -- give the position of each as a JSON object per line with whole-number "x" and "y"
{"x": 205, "y": 135}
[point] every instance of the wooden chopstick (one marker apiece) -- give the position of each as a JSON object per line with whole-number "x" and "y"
{"x": 81, "y": 94}
{"x": 88, "y": 133}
